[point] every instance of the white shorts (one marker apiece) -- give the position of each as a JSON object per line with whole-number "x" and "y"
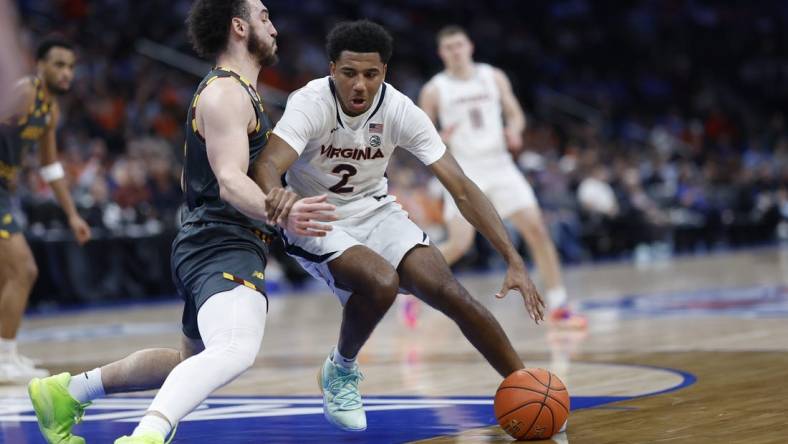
{"x": 505, "y": 186}
{"x": 387, "y": 231}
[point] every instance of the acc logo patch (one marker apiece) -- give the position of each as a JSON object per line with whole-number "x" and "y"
{"x": 374, "y": 141}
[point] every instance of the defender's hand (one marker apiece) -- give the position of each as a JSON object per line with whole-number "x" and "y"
{"x": 80, "y": 229}
{"x": 305, "y": 215}
{"x": 517, "y": 279}
{"x": 278, "y": 204}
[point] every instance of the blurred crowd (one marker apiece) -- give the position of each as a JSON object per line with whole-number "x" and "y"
{"x": 653, "y": 126}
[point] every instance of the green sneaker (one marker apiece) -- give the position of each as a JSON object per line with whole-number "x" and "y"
{"x": 147, "y": 438}
{"x": 341, "y": 400}
{"x": 57, "y": 411}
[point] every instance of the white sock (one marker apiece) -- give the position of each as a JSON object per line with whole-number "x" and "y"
{"x": 556, "y": 298}
{"x": 86, "y": 387}
{"x": 7, "y": 347}
{"x": 153, "y": 424}
{"x": 346, "y": 363}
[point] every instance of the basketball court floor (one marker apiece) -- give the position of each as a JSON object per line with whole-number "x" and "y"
{"x": 691, "y": 350}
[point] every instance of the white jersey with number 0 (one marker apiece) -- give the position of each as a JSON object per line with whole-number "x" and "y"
{"x": 472, "y": 107}
{"x": 346, "y": 157}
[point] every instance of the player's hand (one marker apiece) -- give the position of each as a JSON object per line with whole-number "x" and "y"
{"x": 278, "y": 204}
{"x": 517, "y": 279}
{"x": 80, "y": 229}
{"x": 305, "y": 216}
{"x": 514, "y": 140}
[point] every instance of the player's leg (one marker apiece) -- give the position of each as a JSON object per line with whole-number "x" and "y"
{"x": 531, "y": 226}
{"x": 145, "y": 369}
{"x": 18, "y": 273}
{"x": 59, "y": 401}
{"x": 459, "y": 237}
{"x": 231, "y": 324}
{"x": 514, "y": 199}
{"x": 425, "y": 273}
{"x": 372, "y": 284}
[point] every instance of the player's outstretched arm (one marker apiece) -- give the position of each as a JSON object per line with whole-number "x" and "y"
{"x": 300, "y": 216}
{"x": 513, "y": 115}
{"x": 52, "y": 172}
{"x": 224, "y": 114}
{"x": 478, "y": 210}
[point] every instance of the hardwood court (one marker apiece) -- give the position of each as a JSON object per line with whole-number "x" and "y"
{"x": 692, "y": 350}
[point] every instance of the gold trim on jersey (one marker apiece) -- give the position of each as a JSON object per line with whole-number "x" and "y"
{"x": 40, "y": 107}
{"x": 239, "y": 281}
{"x": 256, "y": 100}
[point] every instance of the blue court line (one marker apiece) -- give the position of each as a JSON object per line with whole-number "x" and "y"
{"x": 299, "y": 419}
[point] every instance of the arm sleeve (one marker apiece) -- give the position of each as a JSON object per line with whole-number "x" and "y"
{"x": 419, "y": 136}
{"x": 302, "y": 120}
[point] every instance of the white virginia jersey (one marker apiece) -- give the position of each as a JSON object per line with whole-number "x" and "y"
{"x": 346, "y": 157}
{"x": 473, "y": 108}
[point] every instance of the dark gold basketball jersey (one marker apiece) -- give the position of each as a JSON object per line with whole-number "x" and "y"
{"x": 203, "y": 203}
{"x": 22, "y": 133}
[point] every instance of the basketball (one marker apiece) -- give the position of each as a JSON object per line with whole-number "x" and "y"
{"x": 531, "y": 404}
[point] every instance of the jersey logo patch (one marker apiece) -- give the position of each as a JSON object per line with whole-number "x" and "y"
{"x": 374, "y": 141}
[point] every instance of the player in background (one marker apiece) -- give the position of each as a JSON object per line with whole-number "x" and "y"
{"x": 337, "y": 136}
{"x": 219, "y": 254}
{"x": 31, "y": 120}
{"x": 480, "y": 118}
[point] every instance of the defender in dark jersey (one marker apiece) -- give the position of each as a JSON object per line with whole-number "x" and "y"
{"x": 218, "y": 257}
{"x": 30, "y": 124}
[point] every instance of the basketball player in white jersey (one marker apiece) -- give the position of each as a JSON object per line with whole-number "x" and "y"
{"x": 336, "y": 137}
{"x": 480, "y": 117}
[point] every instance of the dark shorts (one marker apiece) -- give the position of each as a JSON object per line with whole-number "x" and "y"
{"x": 8, "y": 224}
{"x": 213, "y": 258}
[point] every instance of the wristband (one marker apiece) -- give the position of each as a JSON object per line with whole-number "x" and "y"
{"x": 52, "y": 172}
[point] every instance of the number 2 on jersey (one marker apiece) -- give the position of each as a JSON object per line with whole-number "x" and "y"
{"x": 347, "y": 171}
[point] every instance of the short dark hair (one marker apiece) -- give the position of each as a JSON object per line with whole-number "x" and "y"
{"x": 359, "y": 36}
{"x": 42, "y": 51}
{"x": 209, "y": 24}
{"x": 450, "y": 30}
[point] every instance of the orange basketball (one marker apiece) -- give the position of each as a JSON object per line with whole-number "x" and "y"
{"x": 531, "y": 404}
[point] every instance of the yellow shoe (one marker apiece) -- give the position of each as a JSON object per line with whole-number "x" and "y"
{"x": 56, "y": 410}
{"x": 148, "y": 438}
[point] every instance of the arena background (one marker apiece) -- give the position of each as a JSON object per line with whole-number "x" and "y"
{"x": 669, "y": 114}
{"x": 657, "y": 144}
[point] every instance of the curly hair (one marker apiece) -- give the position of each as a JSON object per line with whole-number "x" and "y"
{"x": 209, "y": 24}
{"x": 359, "y": 36}
{"x": 53, "y": 41}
